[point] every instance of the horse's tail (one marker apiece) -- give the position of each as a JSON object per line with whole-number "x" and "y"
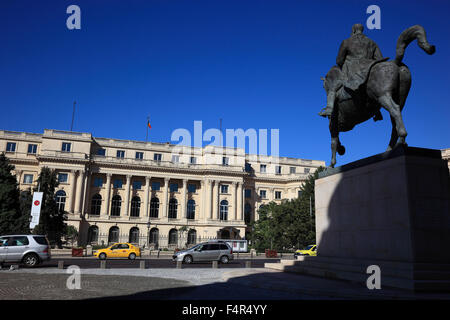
{"x": 405, "y": 38}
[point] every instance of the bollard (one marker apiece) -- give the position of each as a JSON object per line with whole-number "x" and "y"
{"x": 103, "y": 264}
{"x": 179, "y": 264}
{"x": 60, "y": 264}
{"x": 248, "y": 264}
{"x": 142, "y": 264}
{"x": 215, "y": 264}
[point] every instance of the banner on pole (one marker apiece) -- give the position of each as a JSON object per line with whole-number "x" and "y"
{"x": 36, "y": 209}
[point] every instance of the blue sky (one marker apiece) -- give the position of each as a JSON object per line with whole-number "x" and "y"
{"x": 255, "y": 64}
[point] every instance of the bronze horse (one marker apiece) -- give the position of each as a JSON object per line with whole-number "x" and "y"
{"x": 387, "y": 87}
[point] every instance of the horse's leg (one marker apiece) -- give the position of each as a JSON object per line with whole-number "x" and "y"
{"x": 394, "y": 136}
{"x": 334, "y": 138}
{"x": 394, "y": 110}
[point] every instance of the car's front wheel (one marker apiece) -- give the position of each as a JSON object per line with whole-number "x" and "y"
{"x": 187, "y": 259}
{"x": 31, "y": 260}
{"x": 132, "y": 256}
{"x": 224, "y": 259}
{"x": 102, "y": 256}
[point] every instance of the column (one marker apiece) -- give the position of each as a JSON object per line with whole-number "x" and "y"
{"x": 147, "y": 190}
{"x": 108, "y": 193}
{"x": 184, "y": 200}
{"x": 240, "y": 207}
{"x": 71, "y": 199}
{"x": 87, "y": 185}
{"x": 271, "y": 195}
{"x": 79, "y": 191}
{"x": 165, "y": 191}
{"x": 201, "y": 213}
{"x": 208, "y": 199}
{"x": 215, "y": 202}
{"x": 19, "y": 176}
{"x": 235, "y": 203}
{"x": 127, "y": 195}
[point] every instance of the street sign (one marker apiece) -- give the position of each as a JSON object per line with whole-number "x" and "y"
{"x": 36, "y": 209}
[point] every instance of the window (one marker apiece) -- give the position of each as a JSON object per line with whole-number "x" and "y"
{"x": 223, "y": 188}
{"x": 307, "y": 170}
{"x": 225, "y": 161}
{"x": 191, "y": 209}
{"x": 192, "y": 188}
{"x": 173, "y": 236}
{"x": 137, "y": 185}
{"x": 93, "y": 234}
{"x": 117, "y": 184}
{"x": 192, "y": 237}
{"x": 262, "y": 194}
{"x": 248, "y": 193}
{"x": 263, "y": 168}
{"x": 156, "y": 186}
{"x": 247, "y": 213}
{"x": 134, "y": 235}
{"x": 157, "y": 157}
{"x": 154, "y": 236}
{"x": 101, "y": 152}
{"x": 292, "y": 170}
{"x": 32, "y": 148}
{"x": 224, "y": 210}
{"x": 193, "y": 160}
{"x": 154, "y": 208}
{"x": 175, "y": 159}
{"x": 28, "y": 178}
{"x": 277, "y": 169}
{"x": 173, "y": 187}
{"x": 300, "y": 192}
{"x": 135, "y": 206}
{"x": 173, "y": 205}
{"x": 96, "y": 205}
{"x": 278, "y": 195}
{"x": 120, "y": 154}
{"x": 62, "y": 177}
{"x": 139, "y": 155}
{"x": 248, "y": 167}
{"x": 65, "y": 147}
{"x": 60, "y": 198}
{"x": 115, "y": 205}
{"x": 18, "y": 241}
{"x": 10, "y": 147}
{"x": 113, "y": 235}
{"x": 98, "y": 182}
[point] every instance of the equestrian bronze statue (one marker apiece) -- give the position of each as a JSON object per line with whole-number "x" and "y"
{"x": 363, "y": 82}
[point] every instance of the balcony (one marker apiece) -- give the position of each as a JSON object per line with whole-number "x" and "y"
{"x": 63, "y": 155}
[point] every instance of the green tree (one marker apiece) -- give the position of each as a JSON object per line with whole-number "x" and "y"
{"x": 71, "y": 234}
{"x": 288, "y": 225}
{"x": 9, "y": 199}
{"x": 51, "y": 220}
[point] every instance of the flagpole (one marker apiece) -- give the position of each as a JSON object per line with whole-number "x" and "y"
{"x": 146, "y": 137}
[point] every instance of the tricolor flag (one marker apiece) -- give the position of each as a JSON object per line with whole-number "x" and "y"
{"x": 148, "y": 124}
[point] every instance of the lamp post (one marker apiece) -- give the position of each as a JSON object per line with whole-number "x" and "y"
{"x": 148, "y": 234}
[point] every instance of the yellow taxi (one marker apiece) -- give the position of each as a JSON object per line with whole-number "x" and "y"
{"x": 118, "y": 250}
{"x": 308, "y": 251}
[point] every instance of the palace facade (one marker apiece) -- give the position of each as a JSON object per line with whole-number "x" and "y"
{"x": 151, "y": 193}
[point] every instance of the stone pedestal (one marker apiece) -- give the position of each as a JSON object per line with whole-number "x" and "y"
{"x": 390, "y": 210}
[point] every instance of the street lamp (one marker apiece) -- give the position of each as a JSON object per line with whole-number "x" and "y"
{"x": 148, "y": 234}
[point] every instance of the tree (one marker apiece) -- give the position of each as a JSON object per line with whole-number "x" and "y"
{"x": 51, "y": 220}
{"x": 290, "y": 224}
{"x": 9, "y": 199}
{"x": 71, "y": 234}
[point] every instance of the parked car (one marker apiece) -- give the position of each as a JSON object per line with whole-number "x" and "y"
{"x": 207, "y": 251}
{"x": 29, "y": 250}
{"x": 118, "y": 250}
{"x": 308, "y": 251}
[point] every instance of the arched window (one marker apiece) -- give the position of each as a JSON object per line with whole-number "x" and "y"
{"x": 113, "y": 235}
{"x": 173, "y": 236}
{"x": 224, "y": 210}
{"x": 173, "y": 205}
{"x": 96, "y": 204}
{"x": 93, "y": 234}
{"x": 154, "y": 208}
{"x": 154, "y": 236}
{"x": 135, "y": 206}
{"x": 115, "y": 205}
{"x": 247, "y": 213}
{"x": 134, "y": 235}
{"x": 191, "y": 209}
{"x": 60, "y": 198}
{"x": 192, "y": 237}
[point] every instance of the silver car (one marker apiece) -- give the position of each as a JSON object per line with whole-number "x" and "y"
{"x": 208, "y": 251}
{"x": 27, "y": 249}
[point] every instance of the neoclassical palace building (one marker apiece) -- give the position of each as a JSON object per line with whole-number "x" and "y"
{"x": 142, "y": 192}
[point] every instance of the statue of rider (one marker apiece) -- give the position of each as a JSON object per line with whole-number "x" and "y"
{"x": 356, "y": 56}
